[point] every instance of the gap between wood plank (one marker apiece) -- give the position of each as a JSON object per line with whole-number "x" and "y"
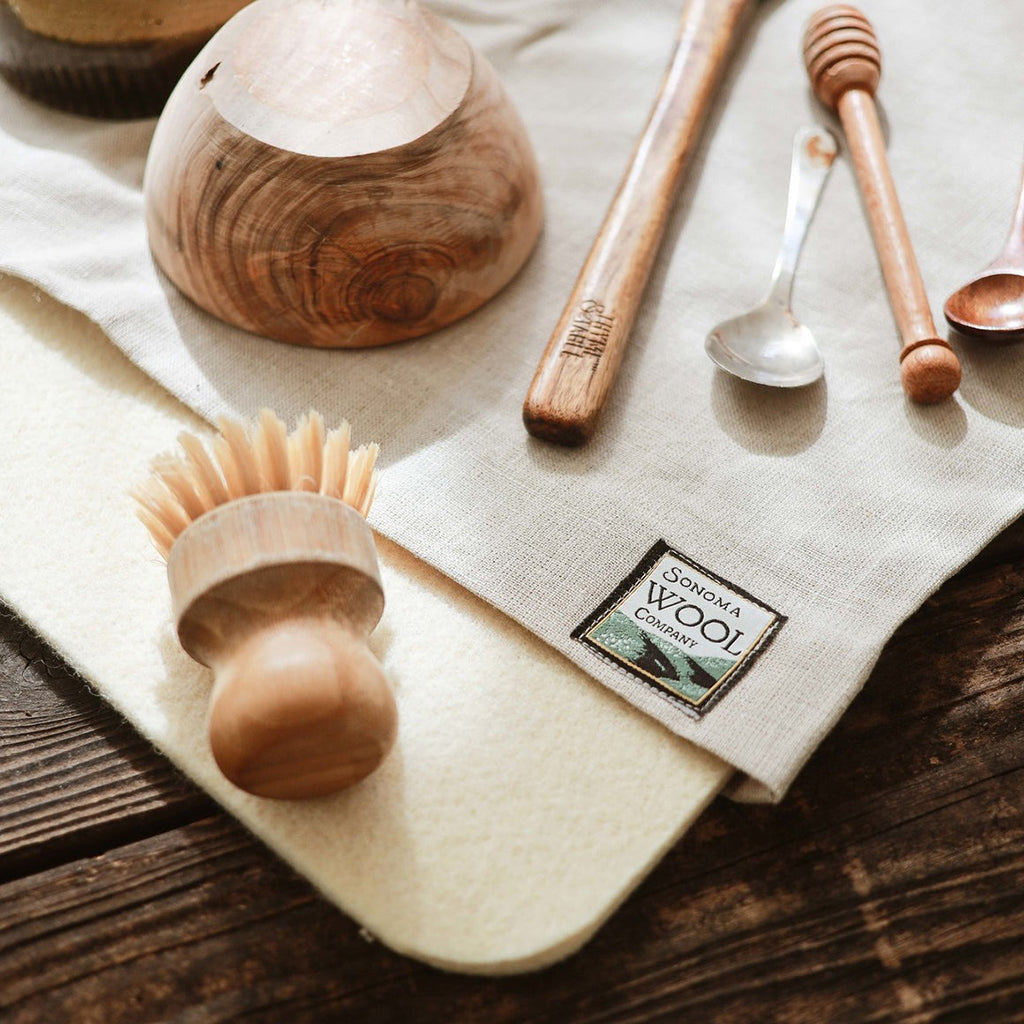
{"x": 93, "y": 785}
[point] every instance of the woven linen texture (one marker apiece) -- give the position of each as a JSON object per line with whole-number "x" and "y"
{"x": 841, "y": 505}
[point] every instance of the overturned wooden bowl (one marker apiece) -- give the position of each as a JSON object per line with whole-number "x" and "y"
{"x": 340, "y": 174}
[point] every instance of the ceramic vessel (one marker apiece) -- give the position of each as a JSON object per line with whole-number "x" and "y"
{"x": 104, "y": 58}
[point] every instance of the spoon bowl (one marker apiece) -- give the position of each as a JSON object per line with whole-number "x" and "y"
{"x": 768, "y": 345}
{"x": 991, "y": 304}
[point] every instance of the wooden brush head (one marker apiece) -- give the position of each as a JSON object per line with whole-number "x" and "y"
{"x": 275, "y": 585}
{"x": 841, "y": 53}
{"x": 244, "y": 462}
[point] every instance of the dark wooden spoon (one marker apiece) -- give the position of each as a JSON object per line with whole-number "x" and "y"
{"x": 991, "y": 305}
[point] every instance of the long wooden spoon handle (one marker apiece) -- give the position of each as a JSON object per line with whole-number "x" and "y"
{"x": 1013, "y": 251}
{"x": 579, "y": 364}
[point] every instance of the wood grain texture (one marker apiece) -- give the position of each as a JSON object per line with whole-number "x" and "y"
{"x": 75, "y": 778}
{"x": 103, "y": 58}
{"x": 889, "y": 886}
{"x": 278, "y": 593}
{"x": 583, "y": 354}
{"x": 340, "y": 201}
{"x": 187, "y": 925}
{"x": 844, "y": 65}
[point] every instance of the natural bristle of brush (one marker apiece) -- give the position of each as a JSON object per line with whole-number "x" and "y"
{"x": 243, "y": 461}
{"x": 275, "y": 586}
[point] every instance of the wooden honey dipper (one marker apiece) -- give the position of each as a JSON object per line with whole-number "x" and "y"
{"x": 275, "y": 585}
{"x": 844, "y": 65}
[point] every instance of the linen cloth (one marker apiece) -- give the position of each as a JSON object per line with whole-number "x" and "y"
{"x": 841, "y": 505}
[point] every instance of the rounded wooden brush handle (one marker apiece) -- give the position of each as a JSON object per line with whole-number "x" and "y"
{"x": 300, "y": 708}
{"x": 583, "y": 354}
{"x": 277, "y": 593}
{"x": 844, "y": 65}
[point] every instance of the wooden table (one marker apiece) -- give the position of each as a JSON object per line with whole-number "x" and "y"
{"x": 888, "y": 886}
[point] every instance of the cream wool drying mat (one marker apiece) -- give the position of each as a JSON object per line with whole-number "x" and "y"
{"x": 522, "y": 803}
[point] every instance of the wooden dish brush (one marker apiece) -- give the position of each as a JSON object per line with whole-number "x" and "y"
{"x": 275, "y": 585}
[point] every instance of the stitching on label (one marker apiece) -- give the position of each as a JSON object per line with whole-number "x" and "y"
{"x": 681, "y": 629}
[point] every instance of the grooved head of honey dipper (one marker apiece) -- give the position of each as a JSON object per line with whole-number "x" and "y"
{"x": 841, "y": 53}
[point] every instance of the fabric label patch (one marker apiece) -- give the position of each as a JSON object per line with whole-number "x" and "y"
{"x": 680, "y": 628}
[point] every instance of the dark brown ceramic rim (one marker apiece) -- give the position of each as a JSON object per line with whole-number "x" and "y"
{"x": 123, "y": 81}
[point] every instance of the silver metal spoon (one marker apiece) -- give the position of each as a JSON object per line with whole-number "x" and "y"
{"x": 769, "y": 345}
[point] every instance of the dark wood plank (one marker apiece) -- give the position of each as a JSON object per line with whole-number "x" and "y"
{"x": 198, "y": 921}
{"x": 75, "y": 778}
{"x": 889, "y": 886}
